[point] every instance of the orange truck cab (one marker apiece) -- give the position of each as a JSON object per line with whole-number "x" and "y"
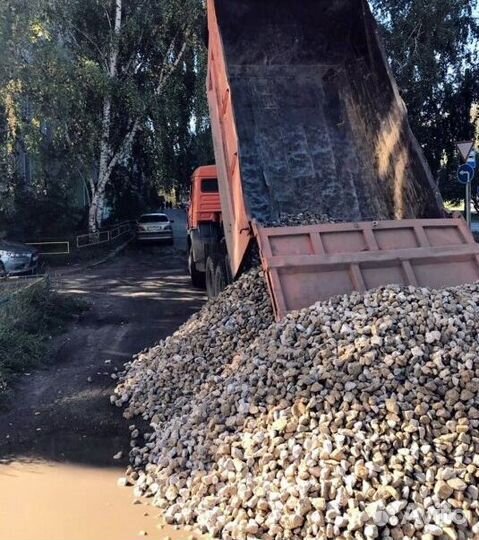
{"x": 204, "y": 221}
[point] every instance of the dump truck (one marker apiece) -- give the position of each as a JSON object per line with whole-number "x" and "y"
{"x": 306, "y": 117}
{"x": 204, "y": 231}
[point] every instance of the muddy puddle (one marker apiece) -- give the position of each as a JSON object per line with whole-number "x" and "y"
{"x": 58, "y": 478}
{"x": 54, "y": 501}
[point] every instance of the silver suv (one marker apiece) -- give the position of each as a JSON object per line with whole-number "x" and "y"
{"x": 17, "y": 259}
{"x": 154, "y": 226}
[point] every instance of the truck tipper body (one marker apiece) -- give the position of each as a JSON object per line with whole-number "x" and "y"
{"x": 306, "y": 117}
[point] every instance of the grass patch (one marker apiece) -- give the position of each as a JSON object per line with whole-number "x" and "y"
{"x": 29, "y": 318}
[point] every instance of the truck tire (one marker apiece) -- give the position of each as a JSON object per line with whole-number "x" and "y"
{"x": 197, "y": 278}
{"x": 221, "y": 276}
{"x": 210, "y": 277}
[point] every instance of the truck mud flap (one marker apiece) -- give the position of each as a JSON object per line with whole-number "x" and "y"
{"x": 307, "y": 264}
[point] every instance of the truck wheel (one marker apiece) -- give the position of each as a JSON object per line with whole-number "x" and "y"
{"x": 221, "y": 277}
{"x": 197, "y": 278}
{"x": 210, "y": 277}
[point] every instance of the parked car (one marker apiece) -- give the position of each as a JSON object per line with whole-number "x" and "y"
{"x": 18, "y": 259}
{"x": 154, "y": 226}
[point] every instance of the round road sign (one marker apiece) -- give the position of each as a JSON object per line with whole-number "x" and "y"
{"x": 465, "y": 174}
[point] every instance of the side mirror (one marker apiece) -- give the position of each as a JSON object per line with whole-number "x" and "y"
{"x": 172, "y": 220}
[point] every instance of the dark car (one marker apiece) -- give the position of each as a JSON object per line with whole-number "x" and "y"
{"x": 18, "y": 259}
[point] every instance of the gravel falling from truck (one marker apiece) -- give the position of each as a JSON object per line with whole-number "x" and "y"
{"x": 357, "y": 417}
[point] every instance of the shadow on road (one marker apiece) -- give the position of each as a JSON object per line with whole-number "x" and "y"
{"x": 63, "y": 413}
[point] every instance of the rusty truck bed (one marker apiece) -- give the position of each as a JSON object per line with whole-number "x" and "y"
{"x": 306, "y": 116}
{"x": 307, "y": 264}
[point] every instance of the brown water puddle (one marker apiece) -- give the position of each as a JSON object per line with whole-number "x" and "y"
{"x": 51, "y": 501}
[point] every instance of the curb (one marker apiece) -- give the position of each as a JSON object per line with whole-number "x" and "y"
{"x": 93, "y": 264}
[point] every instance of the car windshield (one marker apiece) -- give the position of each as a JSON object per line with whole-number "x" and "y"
{"x": 156, "y": 218}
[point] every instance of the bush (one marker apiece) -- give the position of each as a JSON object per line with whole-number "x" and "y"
{"x": 29, "y": 318}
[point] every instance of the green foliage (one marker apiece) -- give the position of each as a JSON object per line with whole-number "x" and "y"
{"x": 152, "y": 38}
{"x": 28, "y": 320}
{"x": 53, "y": 82}
{"x": 35, "y": 99}
{"x": 432, "y": 47}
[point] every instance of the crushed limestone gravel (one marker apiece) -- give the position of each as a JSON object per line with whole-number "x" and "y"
{"x": 356, "y": 418}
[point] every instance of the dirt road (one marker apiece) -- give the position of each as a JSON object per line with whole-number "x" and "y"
{"x": 63, "y": 414}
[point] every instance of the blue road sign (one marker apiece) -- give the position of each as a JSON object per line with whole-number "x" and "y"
{"x": 465, "y": 174}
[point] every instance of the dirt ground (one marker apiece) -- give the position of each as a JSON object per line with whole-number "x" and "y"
{"x": 63, "y": 414}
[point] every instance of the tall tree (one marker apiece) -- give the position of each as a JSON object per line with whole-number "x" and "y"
{"x": 28, "y": 148}
{"x": 432, "y": 46}
{"x": 140, "y": 52}
{"x": 100, "y": 77}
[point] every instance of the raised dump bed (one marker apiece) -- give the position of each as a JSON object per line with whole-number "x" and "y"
{"x": 307, "y": 264}
{"x": 306, "y": 116}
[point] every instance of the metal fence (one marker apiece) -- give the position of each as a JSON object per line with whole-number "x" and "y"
{"x": 82, "y": 241}
{"x": 52, "y": 248}
{"x": 92, "y": 239}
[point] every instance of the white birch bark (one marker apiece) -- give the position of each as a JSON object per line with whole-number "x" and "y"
{"x": 98, "y": 197}
{"x": 109, "y": 160}
{"x": 117, "y": 157}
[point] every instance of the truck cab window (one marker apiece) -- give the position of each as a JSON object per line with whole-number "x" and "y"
{"x": 209, "y": 185}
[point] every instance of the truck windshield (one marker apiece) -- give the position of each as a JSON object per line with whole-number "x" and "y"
{"x": 209, "y": 185}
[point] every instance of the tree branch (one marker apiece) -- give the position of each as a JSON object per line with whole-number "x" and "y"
{"x": 101, "y": 54}
{"x": 168, "y": 69}
{"x": 119, "y": 154}
{"x": 108, "y": 18}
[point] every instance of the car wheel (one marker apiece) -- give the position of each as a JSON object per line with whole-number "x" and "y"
{"x": 210, "y": 277}
{"x": 3, "y": 272}
{"x": 197, "y": 278}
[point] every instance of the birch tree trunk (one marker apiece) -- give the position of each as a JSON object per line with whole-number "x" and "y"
{"x": 104, "y": 172}
{"x": 121, "y": 153}
{"x": 108, "y": 158}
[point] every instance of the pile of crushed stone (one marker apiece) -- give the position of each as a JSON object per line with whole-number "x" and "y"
{"x": 355, "y": 418}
